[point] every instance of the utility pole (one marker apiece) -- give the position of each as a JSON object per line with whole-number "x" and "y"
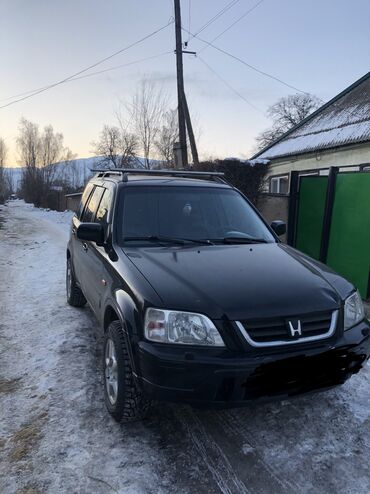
{"x": 193, "y": 146}
{"x": 180, "y": 86}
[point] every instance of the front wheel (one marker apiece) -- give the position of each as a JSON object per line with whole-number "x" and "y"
{"x": 125, "y": 402}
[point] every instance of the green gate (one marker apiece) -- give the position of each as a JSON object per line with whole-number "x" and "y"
{"x": 349, "y": 238}
{"x": 332, "y": 223}
{"x": 312, "y": 194}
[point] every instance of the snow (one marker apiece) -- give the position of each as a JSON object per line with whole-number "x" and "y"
{"x": 61, "y": 219}
{"x": 258, "y": 161}
{"x": 254, "y": 162}
{"x": 56, "y": 436}
{"x": 296, "y": 143}
{"x": 345, "y": 120}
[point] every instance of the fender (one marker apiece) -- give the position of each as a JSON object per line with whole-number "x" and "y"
{"x": 129, "y": 317}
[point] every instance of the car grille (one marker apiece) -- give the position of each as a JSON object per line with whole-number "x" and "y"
{"x": 276, "y": 331}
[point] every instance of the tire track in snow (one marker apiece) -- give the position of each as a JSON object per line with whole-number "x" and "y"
{"x": 238, "y": 428}
{"x": 215, "y": 459}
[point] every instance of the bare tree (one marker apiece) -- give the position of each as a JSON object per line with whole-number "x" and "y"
{"x": 128, "y": 149}
{"x": 3, "y": 153}
{"x": 28, "y": 143}
{"x": 68, "y": 170}
{"x": 4, "y": 185}
{"x": 39, "y": 153}
{"x": 51, "y": 151}
{"x": 116, "y": 146}
{"x": 166, "y": 137}
{"x": 285, "y": 114}
{"x": 146, "y": 113}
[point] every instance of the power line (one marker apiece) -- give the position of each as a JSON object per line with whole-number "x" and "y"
{"x": 248, "y": 64}
{"x": 94, "y": 73}
{"x": 233, "y": 24}
{"x": 266, "y": 73}
{"x": 124, "y": 65}
{"x": 216, "y": 16}
{"x": 90, "y": 66}
{"x": 229, "y": 86}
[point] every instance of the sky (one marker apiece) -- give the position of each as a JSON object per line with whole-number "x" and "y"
{"x": 318, "y": 46}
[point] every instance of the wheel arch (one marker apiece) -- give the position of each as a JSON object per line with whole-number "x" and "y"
{"x": 110, "y": 315}
{"x": 122, "y": 308}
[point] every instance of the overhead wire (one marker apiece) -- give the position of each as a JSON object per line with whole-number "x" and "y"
{"x": 210, "y": 43}
{"x": 216, "y": 16}
{"x": 96, "y": 73}
{"x": 346, "y": 110}
{"x": 230, "y": 86}
{"x": 250, "y": 66}
{"x": 99, "y": 62}
{"x": 233, "y": 24}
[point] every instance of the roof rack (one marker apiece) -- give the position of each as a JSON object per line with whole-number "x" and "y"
{"x": 217, "y": 176}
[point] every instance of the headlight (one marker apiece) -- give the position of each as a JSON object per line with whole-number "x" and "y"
{"x": 185, "y": 328}
{"x": 353, "y": 310}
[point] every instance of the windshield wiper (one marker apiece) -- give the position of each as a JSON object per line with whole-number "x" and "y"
{"x": 155, "y": 238}
{"x": 172, "y": 240}
{"x": 243, "y": 240}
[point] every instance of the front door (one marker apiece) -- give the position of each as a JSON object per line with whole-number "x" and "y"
{"x": 89, "y": 268}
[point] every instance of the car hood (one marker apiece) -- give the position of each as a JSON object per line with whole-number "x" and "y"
{"x": 239, "y": 281}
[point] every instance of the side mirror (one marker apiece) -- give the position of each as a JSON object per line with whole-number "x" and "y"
{"x": 279, "y": 227}
{"x": 93, "y": 232}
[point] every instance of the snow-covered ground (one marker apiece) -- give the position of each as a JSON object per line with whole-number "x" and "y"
{"x": 56, "y": 437}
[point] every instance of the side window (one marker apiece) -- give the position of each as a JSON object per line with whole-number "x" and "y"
{"x": 84, "y": 198}
{"x": 104, "y": 207}
{"x": 92, "y": 205}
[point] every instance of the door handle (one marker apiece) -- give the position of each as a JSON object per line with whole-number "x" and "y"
{"x": 84, "y": 246}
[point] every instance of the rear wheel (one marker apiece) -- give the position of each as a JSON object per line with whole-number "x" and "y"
{"x": 125, "y": 402}
{"x": 75, "y": 297}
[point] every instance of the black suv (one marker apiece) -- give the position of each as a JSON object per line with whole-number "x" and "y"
{"x": 199, "y": 300}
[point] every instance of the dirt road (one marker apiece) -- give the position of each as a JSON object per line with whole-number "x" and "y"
{"x": 56, "y": 437}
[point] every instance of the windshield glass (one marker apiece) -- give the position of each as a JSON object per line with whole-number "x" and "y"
{"x": 189, "y": 213}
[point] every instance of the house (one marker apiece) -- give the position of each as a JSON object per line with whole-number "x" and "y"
{"x": 337, "y": 134}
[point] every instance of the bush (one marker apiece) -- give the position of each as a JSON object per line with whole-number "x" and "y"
{"x": 247, "y": 178}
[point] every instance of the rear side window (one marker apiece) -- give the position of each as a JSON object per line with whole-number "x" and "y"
{"x": 104, "y": 207}
{"x": 84, "y": 198}
{"x": 92, "y": 205}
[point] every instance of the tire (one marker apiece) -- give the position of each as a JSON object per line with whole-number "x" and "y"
{"x": 125, "y": 402}
{"x": 75, "y": 297}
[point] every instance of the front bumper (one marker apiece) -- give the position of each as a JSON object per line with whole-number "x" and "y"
{"x": 217, "y": 378}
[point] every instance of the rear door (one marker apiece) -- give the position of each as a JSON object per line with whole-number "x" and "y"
{"x": 101, "y": 280}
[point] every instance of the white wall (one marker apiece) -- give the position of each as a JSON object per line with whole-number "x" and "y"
{"x": 350, "y": 155}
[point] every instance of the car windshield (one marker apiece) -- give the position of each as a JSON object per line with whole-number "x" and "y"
{"x": 212, "y": 214}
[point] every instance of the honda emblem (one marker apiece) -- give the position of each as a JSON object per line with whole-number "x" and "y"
{"x": 295, "y": 331}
